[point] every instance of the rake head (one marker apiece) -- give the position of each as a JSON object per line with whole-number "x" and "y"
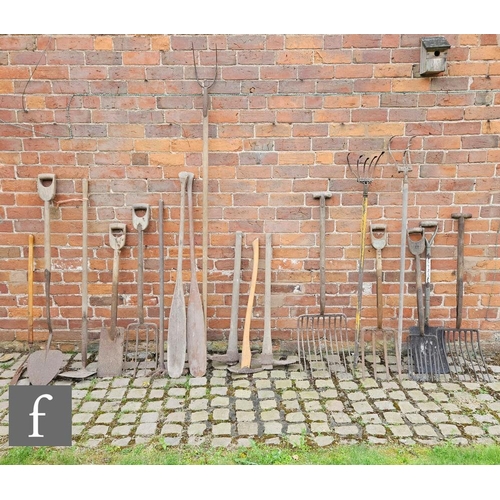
{"x": 365, "y": 167}
{"x": 464, "y": 354}
{"x": 322, "y": 344}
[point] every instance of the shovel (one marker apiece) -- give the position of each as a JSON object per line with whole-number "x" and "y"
{"x": 196, "y": 333}
{"x": 110, "y": 357}
{"x": 43, "y": 366}
{"x": 426, "y": 352}
{"x": 177, "y": 341}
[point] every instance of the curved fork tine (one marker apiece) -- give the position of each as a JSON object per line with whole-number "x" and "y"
{"x": 204, "y": 85}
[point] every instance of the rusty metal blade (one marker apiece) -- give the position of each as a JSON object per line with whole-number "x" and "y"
{"x": 43, "y": 366}
{"x": 110, "y": 356}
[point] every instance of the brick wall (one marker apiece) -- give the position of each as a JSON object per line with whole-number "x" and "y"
{"x": 125, "y": 112}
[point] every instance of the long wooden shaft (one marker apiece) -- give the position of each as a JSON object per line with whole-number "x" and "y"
{"x": 85, "y": 194}
{"x": 161, "y": 334}
{"x": 205, "y": 218}
{"x": 30, "y": 287}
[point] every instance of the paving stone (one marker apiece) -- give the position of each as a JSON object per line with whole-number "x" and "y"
{"x": 440, "y": 397}
{"x": 266, "y": 394}
{"x": 174, "y": 403}
{"x": 244, "y": 443}
{"x": 196, "y": 440}
{"x": 371, "y": 418}
{"x": 261, "y": 375}
{"x": 93, "y": 443}
{"x": 318, "y": 416}
{"x": 302, "y": 384}
{"x": 473, "y": 430}
{"x": 289, "y": 405}
{"x": 219, "y": 373}
{"x": 76, "y": 430}
{"x": 448, "y": 430}
{"x": 149, "y": 417}
{"x": 198, "y": 429}
{"x": 270, "y": 415}
{"x": 288, "y": 395}
{"x": 437, "y": 417}
{"x": 401, "y": 431}
{"x": 172, "y": 441}
{"x": 393, "y": 417}
{"x": 295, "y": 417}
{"x": 451, "y": 407}
{"x": 323, "y": 441}
{"x": 244, "y": 384}
{"x": 266, "y": 384}
{"x": 309, "y": 395}
{"x": 320, "y": 428}
{"x": 243, "y": 404}
{"x": 369, "y": 383}
{"x": 327, "y": 383}
{"x": 415, "y": 418}
{"x": 425, "y": 430}
{"x": 451, "y": 387}
{"x": 122, "y": 430}
{"x": 105, "y": 418}
{"x": 297, "y": 428}
{"x": 268, "y": 404}
{"x": 389, "y": 385}
{"x": 156, "y": 394}
{"x": 329, "y": 394}
{"x": 171, "y": 429}
{"x": 430, "y": 386}
{"x": 146, "y": 429}
{"x": 362, "y": 407}
{"x": 243, "y": 394}
{"x": 248, "y": 428}
{"x": 118, "y": 393}
{"x": 356, "y": 396}
{"x": 218, "y": 391}
{"x": 201, "y": 416}
{"x": 159, "y": 383}
{"x": 485, "y": 419}
{"x": 223, "y": 428}
{"x": 485, "y": 397}
{"x": 494, "y": 430}
{"x": 384, "y": 405}
{"x": 98, "y": 430}
{"x": 121, "y": 443}
{"x": 375, "y": 429}
{"x": 428, "y": 406}
{"x": 276, "y": 374}
{"x": 220, "y": 442}
{"x": 197, "y": 381}
{"x": 137, "y": 393}
{"x": 335, "y": 406}
{"x": 90, "y": 407}
{"x": 409, "y": 384}
{"x": 460, "y": 419}
{"x": 348, "y": 385}
{"x": 298, "y": 375}
{"x": 407, "y": 407}
{"x": 484, "y": 440}
{"x": 198, "y": 404}
{"x": 197, "y": 392}
{"x": 217, "y": 381}
{"x": 346, "y": 430}
{"x": 341, "y": 418}
{"x": 245, "y": 416}
{"x": 417, "y": 395}
{"x": 313, "y": 406}
{"x": 79, "y": 418}
{"x": 127, "y": 418}
{"x": 220, "y": 401}
{"x": 176, "y": 416}
{"x": 273, "y": 428}
{"x": 494, "y": 406}
{"x": 377, "y": 394}
{"x": 397, "y": 395}
{"x": 282, "y": 384}
{"x": 78, "y": 394}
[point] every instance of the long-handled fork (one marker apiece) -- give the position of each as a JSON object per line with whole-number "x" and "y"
{"x": 365, "y": 167}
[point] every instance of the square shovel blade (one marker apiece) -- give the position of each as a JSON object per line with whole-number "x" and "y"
{"x": 110, "y": 356}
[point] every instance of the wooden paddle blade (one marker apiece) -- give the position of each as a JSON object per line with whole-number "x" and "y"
{"x": 176, "y": 353}
{"x": 43, "y": 366}
{"x": 110, "y": 356}
{"x": 196, "y": 335}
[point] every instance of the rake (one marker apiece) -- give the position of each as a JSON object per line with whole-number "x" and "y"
{"x": 365, "y": 167}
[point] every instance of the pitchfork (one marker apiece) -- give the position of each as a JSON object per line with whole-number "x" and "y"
{"x": 365, "y": 166}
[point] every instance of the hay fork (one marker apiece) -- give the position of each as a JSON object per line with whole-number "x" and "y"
{"x": 364, "y": 175}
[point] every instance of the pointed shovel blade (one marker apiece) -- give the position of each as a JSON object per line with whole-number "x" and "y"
{"x": 43, "y": 366}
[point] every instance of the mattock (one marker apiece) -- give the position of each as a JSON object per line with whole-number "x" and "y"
{"x": 205, "y": 85}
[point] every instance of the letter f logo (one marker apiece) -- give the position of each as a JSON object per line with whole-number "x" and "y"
{"x": 35, "y": 414}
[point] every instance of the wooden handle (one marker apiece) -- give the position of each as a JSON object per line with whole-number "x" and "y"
{"x": 232, "y": 345}
{"x": 379, "y": 289}
{"x": 30, "y": 288}
{"x": 246, "y": 354}
{"x": 85, "y": 195}
{"x": 267, "y": 347}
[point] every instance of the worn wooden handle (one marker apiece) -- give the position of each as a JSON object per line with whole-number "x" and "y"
{"x": 246, "y": 354}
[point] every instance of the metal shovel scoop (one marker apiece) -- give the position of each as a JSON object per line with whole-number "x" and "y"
{"x": 43, "y": 366}
{"x": 426, "y": 350}
{"x": 110, "y": 357}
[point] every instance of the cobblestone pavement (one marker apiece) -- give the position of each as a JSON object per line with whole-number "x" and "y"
{"x": 277, "y": 406}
